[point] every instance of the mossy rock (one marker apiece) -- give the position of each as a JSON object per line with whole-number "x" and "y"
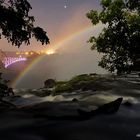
{"x": 76, "y": 83}
{"x": 61, "y": 88}
{"x": 42, "y": 93}
{"x": 79, "y": 78}
{"x": 49, "y": 83}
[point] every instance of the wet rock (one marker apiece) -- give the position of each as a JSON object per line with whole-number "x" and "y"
{"x": 4, "y": 105}
{"x": 108, "y": 108}
{"x": 127, "y": 103}
{"x": 74, "y": 100}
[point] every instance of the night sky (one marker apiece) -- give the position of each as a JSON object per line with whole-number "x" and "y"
{"x": 60, "y": 18}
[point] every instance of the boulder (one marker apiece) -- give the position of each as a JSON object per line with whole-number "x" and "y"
{"x": 50, "y": 83}
{"x": 108, "y": 108}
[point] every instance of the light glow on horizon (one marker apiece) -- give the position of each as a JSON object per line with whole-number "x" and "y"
{"x": 50, "y": 52}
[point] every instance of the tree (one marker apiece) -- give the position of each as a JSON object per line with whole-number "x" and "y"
{"x": 16, "y": 25}
{"x": 119, "y": 40}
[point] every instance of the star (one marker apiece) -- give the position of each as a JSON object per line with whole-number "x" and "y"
{"x": 65, "y": 6}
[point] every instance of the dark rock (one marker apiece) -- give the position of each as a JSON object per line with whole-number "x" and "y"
{"x": 74, "y": 100}
{"x": 127, "y": 103}
{"x": 108, "y": 108}
{"x": 50, "y": 83}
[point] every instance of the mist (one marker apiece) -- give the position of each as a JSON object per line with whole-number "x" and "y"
{"x": 72, "y": 58}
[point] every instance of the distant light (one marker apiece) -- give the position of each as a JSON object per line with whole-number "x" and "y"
{"x": 42, "y": 51}
{"x": 50, "y": 52}
{"x": 31, "y": 53}
{"x": 26, "y": 53}
{"x": 17, "y": 53}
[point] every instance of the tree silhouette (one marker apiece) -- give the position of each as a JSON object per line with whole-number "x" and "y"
{"x": 119, "y": 40}
{"x": 16, "y": 25}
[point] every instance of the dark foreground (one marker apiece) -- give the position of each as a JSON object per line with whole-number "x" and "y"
{"x": 57, "y": 116}
{"x": 34, "y": 123}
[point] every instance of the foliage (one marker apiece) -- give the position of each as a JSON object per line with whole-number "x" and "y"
{"x": 16, "y": 25}
{"x": 5, "y": 90}
{"x": 119, "y": 40}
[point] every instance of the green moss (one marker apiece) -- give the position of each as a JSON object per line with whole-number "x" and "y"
{"x": 76, "y": 83}
{"x": 79, "y": 78}
{"x": 42, "y": 93}
{"x": 61, "y": 82}
{"x": 60, "y": 88}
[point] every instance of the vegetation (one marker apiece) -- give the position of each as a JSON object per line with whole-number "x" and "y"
{"x": 16, "y": 25}
{"x": 5, "y": 90}
{"x": 119, "y": 40}
{"x": 79, "y": 78}
{"x": 60, "y": 88}
{"x": 76, "y": 83}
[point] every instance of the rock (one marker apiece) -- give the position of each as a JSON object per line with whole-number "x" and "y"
{"x": 93, "y": 74}
{"x": 108, "y": 108}
{"x": 127, "y": 103}
{"x": 74, "y": 100}
{"x": 50, "y": 83}
{"x": 4, "y": 105}
{"x": 111, "y": 107}
{"x": 42, "y": 93}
